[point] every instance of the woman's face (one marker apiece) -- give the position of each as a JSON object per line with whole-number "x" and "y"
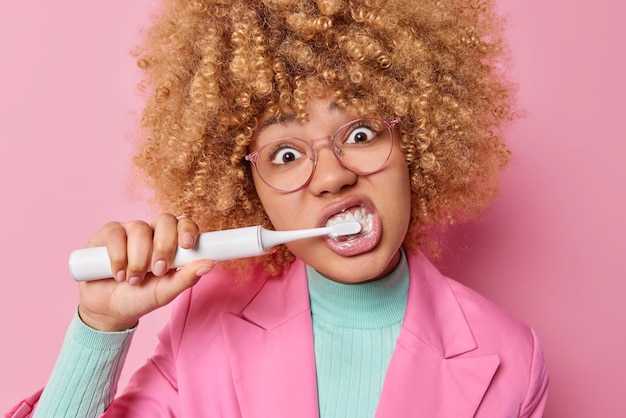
{"x": 381, "y": 201}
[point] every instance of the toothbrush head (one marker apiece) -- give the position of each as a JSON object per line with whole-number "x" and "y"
{"x": 344, "y": 228}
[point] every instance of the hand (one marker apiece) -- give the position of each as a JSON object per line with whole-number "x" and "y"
{"x": 134, "y": 248}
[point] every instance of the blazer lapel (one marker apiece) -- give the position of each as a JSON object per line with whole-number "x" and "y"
{"x": 428, "y": 376}
{"x": 432, "y": 372}
{"x": 271, "y": 350}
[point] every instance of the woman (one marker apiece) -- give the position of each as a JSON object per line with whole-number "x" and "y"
{"x": 292, "y": 115}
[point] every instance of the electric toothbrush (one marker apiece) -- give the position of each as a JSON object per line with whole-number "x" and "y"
{"x": 93, "y": 263}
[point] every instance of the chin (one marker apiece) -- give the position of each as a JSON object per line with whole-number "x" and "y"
{"x": 361, "y": 268}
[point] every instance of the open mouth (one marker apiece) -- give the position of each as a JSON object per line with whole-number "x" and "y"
{"x": 358, "y": 214}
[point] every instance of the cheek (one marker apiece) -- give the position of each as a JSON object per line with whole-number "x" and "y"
{"x": 398, "y": 200}
{"x": 264, "y": 192}
{"x": 274, "y": 203}
{"x": 399, "y": 171}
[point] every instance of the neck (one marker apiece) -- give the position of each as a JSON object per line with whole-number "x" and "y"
{"x": 366, "y": 305}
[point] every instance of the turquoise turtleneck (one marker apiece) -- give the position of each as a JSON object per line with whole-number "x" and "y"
{"x": 355, "y": 327}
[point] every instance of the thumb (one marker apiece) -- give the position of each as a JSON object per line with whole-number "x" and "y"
{"x": 182, "y": 279}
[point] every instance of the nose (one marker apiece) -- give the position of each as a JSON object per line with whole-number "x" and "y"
{"x": 329, "y": 175}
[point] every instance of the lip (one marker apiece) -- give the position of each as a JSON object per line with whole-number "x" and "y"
{"x": 361, "y": 243}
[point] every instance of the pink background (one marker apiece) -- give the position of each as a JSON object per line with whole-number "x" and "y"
{"x": 550, "y": 251}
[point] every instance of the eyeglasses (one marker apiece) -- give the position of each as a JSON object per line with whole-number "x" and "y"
{"x": 362, "y": 146}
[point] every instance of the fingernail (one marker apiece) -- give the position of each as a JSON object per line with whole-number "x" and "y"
{"x": 120, "y": 276}
{"x": 134, "y": 280}
{"x": 188, "y": 239}
{"x": 202, "y": 271}
{"x": 159, "y": 268}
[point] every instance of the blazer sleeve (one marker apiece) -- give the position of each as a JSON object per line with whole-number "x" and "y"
{"x": 153, "y": 389}
{"x": 25, "y": 408}
{"x": 535, "y": 400}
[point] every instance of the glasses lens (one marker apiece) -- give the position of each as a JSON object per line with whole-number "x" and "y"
{"x": 364, "y": 145}
{"x": 285, "y": 164}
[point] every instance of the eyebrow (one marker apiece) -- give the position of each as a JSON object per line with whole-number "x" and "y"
{"x": 287, "y": 117}
{"x": 275, "y": 120}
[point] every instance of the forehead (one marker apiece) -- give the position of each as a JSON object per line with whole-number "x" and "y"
{"x": 322, "y": 116}
{"x": 288, "y": 117}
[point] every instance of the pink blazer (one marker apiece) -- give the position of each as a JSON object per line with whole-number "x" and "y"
{"x": 246, "y": 350}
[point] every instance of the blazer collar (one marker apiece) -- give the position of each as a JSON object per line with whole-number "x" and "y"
{"x": 271, "y": 350}
{"x": 433, "y": 314}
{"x": 273, "y": 360}
{"x": 429, "y": 375}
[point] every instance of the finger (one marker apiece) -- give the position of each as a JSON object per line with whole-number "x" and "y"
{"x": 139, "y": 250}
{"x": 113, "y": 237}
{"x": 188, "y": 232}
{"x": 164, "y": 244}
{"x": 182, "y": 279}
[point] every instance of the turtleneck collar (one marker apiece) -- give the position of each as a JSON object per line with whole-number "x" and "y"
{"x": 368, "y": 305}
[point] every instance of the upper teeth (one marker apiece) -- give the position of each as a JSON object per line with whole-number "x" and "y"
{"x": 360, "y": 215}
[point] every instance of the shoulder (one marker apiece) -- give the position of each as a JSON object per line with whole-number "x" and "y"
{"x": 461, "y": 311}
{"x": 486, "y": 329}
{"x": 522, "y": 362}
{"x": 490, "y": 324}
{"x": 488, "y": 321}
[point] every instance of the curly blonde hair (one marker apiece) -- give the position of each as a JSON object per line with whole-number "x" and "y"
{"x": 212, "y": 68}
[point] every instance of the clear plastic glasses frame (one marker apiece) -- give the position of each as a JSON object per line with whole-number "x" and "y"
{"x": 362, "y": 146}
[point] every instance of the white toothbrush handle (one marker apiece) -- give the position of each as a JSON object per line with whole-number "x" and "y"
{"x": 93, "y": 263}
